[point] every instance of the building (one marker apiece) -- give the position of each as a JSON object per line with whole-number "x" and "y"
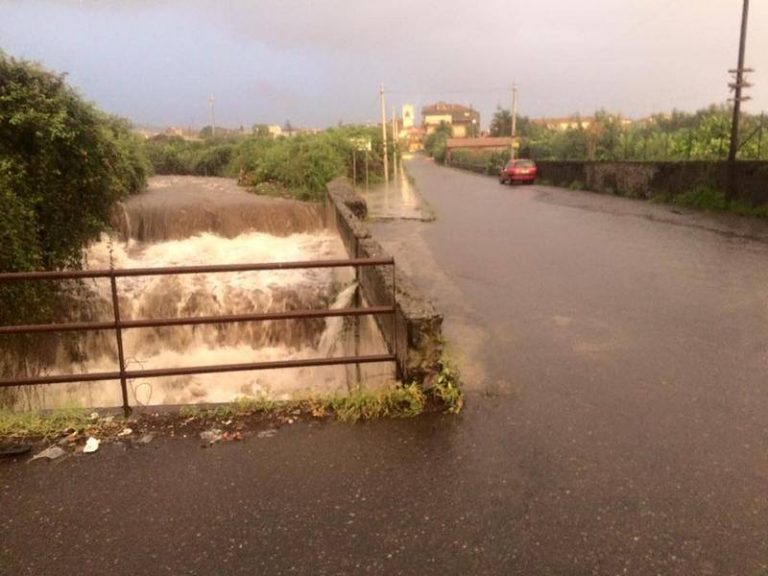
{"x": 483, "y": 144}
{"x": 566, "y": 123}
{"x": 464, "y": 121}
{"x": 409, "y": 116}
{"x": 574, "y": 122}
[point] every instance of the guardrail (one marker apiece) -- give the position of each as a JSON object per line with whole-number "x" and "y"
{"x": 118, "y": 325}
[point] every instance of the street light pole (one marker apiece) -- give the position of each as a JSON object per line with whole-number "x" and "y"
{"x": 737, "y": 86}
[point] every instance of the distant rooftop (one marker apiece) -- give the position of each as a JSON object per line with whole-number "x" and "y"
{"x": 485, "y": 142}
{"x": 445, "y": 108}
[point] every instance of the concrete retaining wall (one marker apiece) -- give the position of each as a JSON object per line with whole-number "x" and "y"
{"x": 416, "y": 333}
{"x": 649, "y": 179}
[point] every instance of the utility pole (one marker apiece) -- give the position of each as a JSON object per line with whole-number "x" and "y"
{"x": 394, "y": 144}
{"x": 211, "y": 116}
{"x": 514, "y": 118}
{"x": 736, "y": 87}
{"x": 384, "y": 132}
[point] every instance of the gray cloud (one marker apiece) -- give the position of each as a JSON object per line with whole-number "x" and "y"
{"x": 317, "y": 61}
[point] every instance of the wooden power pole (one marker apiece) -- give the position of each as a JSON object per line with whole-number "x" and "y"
{"x": 394, "y": 144}
{"x": 384, "y": 132}
{"x": 736, "y": 87}
{"x": 211, "y": 115}
{"x": 513, "y": 131}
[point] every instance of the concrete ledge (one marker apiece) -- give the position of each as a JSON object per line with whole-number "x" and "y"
{"x": 416, "y": 332}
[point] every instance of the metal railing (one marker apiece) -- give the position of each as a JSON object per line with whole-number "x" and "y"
{"x": 118, "y": 325}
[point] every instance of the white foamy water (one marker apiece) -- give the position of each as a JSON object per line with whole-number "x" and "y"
{"x": 213, "y": 294}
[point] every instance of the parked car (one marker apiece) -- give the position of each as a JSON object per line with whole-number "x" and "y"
{"x": 518, "y": 171}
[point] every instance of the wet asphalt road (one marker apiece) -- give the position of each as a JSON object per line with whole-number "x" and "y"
{"x": 616, "y": 356}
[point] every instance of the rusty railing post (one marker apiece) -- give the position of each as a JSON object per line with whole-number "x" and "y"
{"x": 358, "y": 303}
{"x": 119, "y": 336}
{"x": 398, "y": 370}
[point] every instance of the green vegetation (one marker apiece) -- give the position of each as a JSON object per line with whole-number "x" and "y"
{"x": 678, "y": 136}
{"x": 63, "y": 164}
{"x": 435, "y": 144}
{"x": 399, "y": 402}
{"x": 42, "y": 424}
{"x": 711, "y": 200}
{"x": 482, "y": 161}
{"x": 299, "y": 165}
{"x": 447, "y": 389}
{"x": 174, "y": 155}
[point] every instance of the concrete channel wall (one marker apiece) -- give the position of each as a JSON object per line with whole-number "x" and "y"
{"x": 416, "y": 333}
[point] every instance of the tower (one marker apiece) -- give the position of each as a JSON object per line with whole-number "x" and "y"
{"x": 408, "y": 116}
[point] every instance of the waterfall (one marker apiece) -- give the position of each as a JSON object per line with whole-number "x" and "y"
{"x": 177, "y": 207}
{"x": 331, "y": 337}
{"x": 182, "y": 222}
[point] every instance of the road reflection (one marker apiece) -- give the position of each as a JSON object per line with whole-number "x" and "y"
{"x": 397, "y": 199}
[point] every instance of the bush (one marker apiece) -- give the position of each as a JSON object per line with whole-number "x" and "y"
{"x": 63, "y": 164}
{"x": 436, "y": 143}
{"x": 302, "y": 164}
{"x": 174, "y": 155}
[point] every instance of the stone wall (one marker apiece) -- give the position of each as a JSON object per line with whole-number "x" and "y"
{"x": 416, "y": 331}
{"x": 649, "y": 179}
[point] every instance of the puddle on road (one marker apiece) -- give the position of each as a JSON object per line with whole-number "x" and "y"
{"x": 396, "y": 200}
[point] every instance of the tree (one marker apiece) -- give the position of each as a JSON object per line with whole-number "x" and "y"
{"x": 501, "y": 124}
{"x": 435, "y": 144}
{"x": 63, "y": 164}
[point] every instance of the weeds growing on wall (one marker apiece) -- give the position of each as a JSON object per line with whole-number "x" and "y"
{"x": 447, "y": 389}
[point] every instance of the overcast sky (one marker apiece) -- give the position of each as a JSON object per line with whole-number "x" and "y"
{"x": 315, "y": 62}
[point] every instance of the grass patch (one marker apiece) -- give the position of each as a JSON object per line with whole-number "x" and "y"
{"x": 43, "y": 424}
{"x": 447, "y": 389}
{"x": 399, "y": 402}
{"x": 402, "y": 402}
{"x": 710, "y": 199}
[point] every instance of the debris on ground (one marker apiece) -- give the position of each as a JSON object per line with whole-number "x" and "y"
{"x": 266, "y": 433}
{"x": 51, "y": 453}
{"x": 125, "y": 432}
{"x": 232, "y": 436}
{"x": 91, "y": 445}
{"x": 145, "y": 439}
{"x": 210, "y": 437}
{"x": 69, "y": 439}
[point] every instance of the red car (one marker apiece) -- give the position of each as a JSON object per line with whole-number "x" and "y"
{"x": 518, "y": 171}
